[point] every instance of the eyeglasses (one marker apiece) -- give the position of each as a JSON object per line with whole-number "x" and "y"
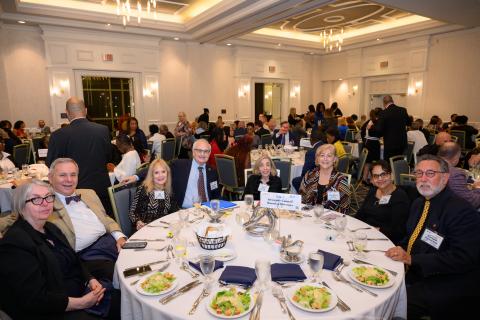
{"x": 382, "y": 175}
{"x": 202, "y": 151}
{"x": 428, "y": 173}
{"x": 39, "y": 200}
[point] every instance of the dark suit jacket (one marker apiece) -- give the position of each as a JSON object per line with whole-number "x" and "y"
{"x": 292, "y": 137}
{"x": 260, "y": 132}
{"x": 32, "y": 281}
{"x": 391, "y": 125}
{"x": 181, "y": 170}
{"x": 253, "y": 182}
{"x": 310, "y": 158}
{"x": 87, "y": 143}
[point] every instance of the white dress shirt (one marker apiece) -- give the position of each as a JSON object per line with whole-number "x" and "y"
{"x": 128, "y": 166}
{"x": 86, "y": 225}
{"x": 5, "y": 163}
{"x": 157, "y": 139}
{"x": 191, "y": 194}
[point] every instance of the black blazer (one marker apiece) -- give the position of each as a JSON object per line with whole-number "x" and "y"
{"x": 253, "y": 182}
{"x": 260, "y": 132}
{"x": 392, "y": 126}
{"x": 32, "y": 281}
{"x": 181, "y": 170}
{"x": 87, "y": 143}
{"x": 291, "y": 136}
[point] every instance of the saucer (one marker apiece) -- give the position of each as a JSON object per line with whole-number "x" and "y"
{"x": 288, "y": 259}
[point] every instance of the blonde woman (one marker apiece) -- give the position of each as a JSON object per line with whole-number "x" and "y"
{"x": 264, "y": 178}
{"x": 324, "y": 184}
{"x": 153, "y": 198}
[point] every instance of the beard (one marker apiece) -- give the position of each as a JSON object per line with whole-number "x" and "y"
{"x": 428, "y": 190}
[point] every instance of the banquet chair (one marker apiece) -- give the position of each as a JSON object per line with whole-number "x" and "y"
{"x": 266, "y": 139}
{"x": 399, "y": 165}
{"x": 431, "y": 138}
{"x": 408, "y": 152}
{"x": 168, "y": 149}
{"x": 178, "y": 145}
{"x": 247, "y": 173}
{"x": 358, "y": 179}
{"x": 284, "y": 168}
{"x": 460, "y": 135}
{"x": 227, "y": 175}
{"x": 347, "y": 147}
{"x": 343, "y": 164}
{"x": 37, "y": 143}
{"x": 407, "y": 180}
{"x": 142, "y": 167}
{"x": 21, "y": 154}
{"x": 350, "y": 135}
{"x": 121, "y": 197}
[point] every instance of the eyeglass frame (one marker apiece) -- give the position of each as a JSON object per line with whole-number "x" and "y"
{"x": 203, "y": 151}
{"x": 429, "y": 173}
{"x": 44, "y": 199}
{"x": 382, "y": 175}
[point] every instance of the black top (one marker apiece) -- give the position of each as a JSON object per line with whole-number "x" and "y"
{"x": 147, "y": 209}
{"x": 274, "y": 182}
{"x": 320, "y": 191}
{"x": 391, "y": 217}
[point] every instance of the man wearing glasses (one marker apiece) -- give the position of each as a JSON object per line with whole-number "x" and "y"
{"x": 442, "y": 248}
{"x": 193, "y": 181}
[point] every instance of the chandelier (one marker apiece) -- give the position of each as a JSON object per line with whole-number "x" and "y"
{"x": 331, "y": 40}
{"x": 127, "y": 8}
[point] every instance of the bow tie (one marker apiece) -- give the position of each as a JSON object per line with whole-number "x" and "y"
{"x": 72, "y": 198}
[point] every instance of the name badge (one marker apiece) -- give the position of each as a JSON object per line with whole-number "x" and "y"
{"x": 159, "y": 194}
{"x": 213, "y": 185}
{"x": 385, "y": 199}
{"x": 432, "y": 238}
{"x": 262, "y": 187}
{"x": 333, "y": 195}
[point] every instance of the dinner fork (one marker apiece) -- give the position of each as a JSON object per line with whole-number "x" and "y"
{"x": 340, "y": 304}
{"x": 281, "y": 298}
{"x": 337, "y": 275}
{"x": 184, "y": 266}
{"x": 202, "y": 295}
{"x": 276, "y": 291}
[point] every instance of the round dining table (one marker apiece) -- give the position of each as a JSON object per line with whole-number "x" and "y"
{"x": 390, "y": 302}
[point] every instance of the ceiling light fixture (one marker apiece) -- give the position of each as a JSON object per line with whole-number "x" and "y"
{"x": 229, "y": 44}
{"x": 21, "y": 21}
{"x": 127, "y": 8}
{"x": 176, "y": 38}
{"x": 331, "y": 40}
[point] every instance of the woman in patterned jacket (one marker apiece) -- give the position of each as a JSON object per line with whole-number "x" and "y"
{"x": 154, "y": 198}
{"x": 324, "y": 184}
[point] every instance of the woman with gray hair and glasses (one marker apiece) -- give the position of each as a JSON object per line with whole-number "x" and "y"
{"x": 41, "y": 276}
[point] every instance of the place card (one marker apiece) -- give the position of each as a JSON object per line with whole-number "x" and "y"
{"x": 42, "y": 153}
{"x": 283, "y": 201}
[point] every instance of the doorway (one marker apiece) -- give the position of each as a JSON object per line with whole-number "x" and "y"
{"x": 268, "y": 99}
{"x": 376, "y": 100}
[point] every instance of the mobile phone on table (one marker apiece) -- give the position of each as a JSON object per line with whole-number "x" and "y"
{"x": 136, "y": 270}
{"x": 134, "y": 245}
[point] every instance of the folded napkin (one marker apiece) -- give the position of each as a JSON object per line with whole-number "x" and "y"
{"x": 238, "y": 275}
{"x": 331, "y": 261}
{"x": 196, "y": 266}
{"x": 287, "y": 272}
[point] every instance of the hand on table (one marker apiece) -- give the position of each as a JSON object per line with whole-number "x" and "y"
{"x": 398, "y": 254}
{"x": 120, "y": 243}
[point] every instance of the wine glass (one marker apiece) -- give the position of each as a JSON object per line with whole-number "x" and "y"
{"x": 315, "y": 261}
{"x": 248, "y": 201}
{"x": 360, "y": 243}
{"x": 318, "y": 211}
{"x": 25, "y": 169}
{"x": 215, "y": 206}
{"x": 207, "y": 264}
{"x": 340, "y": 225}
{"x": 262, "y": 270}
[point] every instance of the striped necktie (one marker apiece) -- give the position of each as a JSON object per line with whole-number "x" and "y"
{"x": 419, "y": 227}
{"x": 201, "y": 185}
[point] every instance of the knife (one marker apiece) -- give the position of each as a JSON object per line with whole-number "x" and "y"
{"x": 180, "y": 291}
{"x": 383, "y": 239}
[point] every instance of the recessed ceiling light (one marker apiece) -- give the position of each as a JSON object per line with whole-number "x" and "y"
{"x": 340, "y": 79}
{"x": 21, "y": 21}
{"x": 279, "y": 45}
{"x": 176, "y": 38}
{"x": 229, "y": 44}
{"x": 378, "y": 39}
{"x": 108, "y": 24}
{"x": 312, "y": 53}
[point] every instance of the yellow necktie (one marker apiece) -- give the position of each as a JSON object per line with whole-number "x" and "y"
{"x": 419, "y": 226}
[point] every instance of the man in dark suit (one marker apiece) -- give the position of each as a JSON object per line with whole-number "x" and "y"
{"x": 87, "y": 143}
{"x": 259, "y": 129}
{"x": 284, "y": 136}
{"x": 441, "y": 250}
{"x": 392, "y": 126}
{"x": 204, "y": 116}
{"x": 317, "y": 138}
{"x": 193, "y": 180}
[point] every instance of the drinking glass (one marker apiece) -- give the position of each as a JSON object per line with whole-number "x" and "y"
{"x": 340, "y": 225}
{"x": 207, "y": 264}
{"x": 183, "y": 215}
{"x": 215, "y": 206}
{"x": 315, "y": 261}
{"x": 318, "y": 211}
{"x": 360, "y": 243}
{"x": 241, "y": 218}
{"x": 25, "y": 169}
{"x": 262, "y": 270}
{"x": 248, "y": 201}
{"x": 270, "y": 236}
{"x": 176, "y": 228}
{"x": 180, "y": 247}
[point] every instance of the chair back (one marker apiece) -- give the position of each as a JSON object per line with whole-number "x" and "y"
{"x": 350, "y": 135}
{"x": 460, "y": 135}
{"x": 37, "y": 142}
{"x": 227, "y": 172}
{"x": 407, "y": 180}
{"x": 266, "y": 139}
{"x": 178, "y": 145}
{"x": 399, "y": 165}
{"x": 349, "y": 178}
{"x": 149, "y": 146}
{"x": 121, "y": 197}
{"x": 431, "y": 138}
{"x": 247, "y": 173}
{"x": 237, "y": 138}
{"x": 343, "y": 164}
{"x": 168, "y": 149}
{"x": 142, "y": 167}
{"x": 361, "y": 165}
{"x": 21, "y": 154}
{"x": 408, "y": 152}
{"x": 284, "y": 168}
{"x": 347, "y": 147}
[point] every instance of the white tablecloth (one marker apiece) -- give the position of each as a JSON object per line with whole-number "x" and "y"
{"x": 389, "y": 303}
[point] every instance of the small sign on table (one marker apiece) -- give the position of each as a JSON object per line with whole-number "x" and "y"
{"x": 283, "y": 201}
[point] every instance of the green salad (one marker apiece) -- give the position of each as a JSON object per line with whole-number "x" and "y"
{"x": 231, "y": 302}
{"x": 372, "y": 276}
{"x": 158, "y": 282}
{"x": 312, "y": 297}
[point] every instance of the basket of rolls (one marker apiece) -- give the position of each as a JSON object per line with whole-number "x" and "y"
{"x": 212, "y": 236}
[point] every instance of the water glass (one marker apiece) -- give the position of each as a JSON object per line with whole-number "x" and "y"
{"x": 207, "y": 264}
{"x": 262, "y": 270}
{"x": 180, "y": 247}
{"x": 176, "y": 228}
{"x": 215, "y": 206}
{"x": 340, "y": 225}
{"x": 270, "y": 236}
{"x": 241, "y": 218}
{"x": 315, "y": 261}
{"x": 183, "y": 215}
{"x": 360, "y": 243}
{"x": 318, "y": 211}
{"x": 248, "y": 201}
{"x": 25, "y": 169}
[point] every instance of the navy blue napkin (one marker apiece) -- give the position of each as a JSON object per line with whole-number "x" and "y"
{"x": 287, "y": 272}
{"x": 331, "y": 261}
{"x": 238, "y": 275}
{"x": 196, "y": 266}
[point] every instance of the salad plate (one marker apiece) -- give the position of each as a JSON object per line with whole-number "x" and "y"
{"x": 371, "y": 276}
{"x": 312, "y": 297}
{"x": 222, "y": 305}
{"x": 157, "y": 283}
